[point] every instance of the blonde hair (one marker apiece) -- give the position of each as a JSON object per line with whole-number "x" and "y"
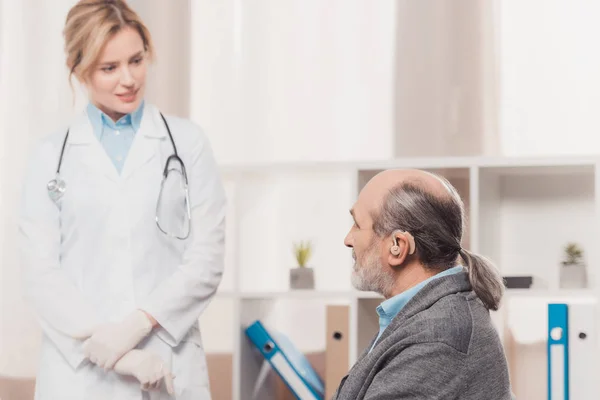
{"x": 90, "y": 24}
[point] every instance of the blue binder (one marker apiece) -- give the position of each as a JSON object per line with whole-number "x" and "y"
{"x": 288, "y": 362}
{"x": 558, "y": 352}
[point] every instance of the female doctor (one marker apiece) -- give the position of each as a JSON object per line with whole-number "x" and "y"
{"x": 121, "y": 257}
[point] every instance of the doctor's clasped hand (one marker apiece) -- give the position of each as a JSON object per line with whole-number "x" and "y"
{"x": 112, "y": 345}
{"x": 111, "y": 341}
{"x": 147, "y": 368}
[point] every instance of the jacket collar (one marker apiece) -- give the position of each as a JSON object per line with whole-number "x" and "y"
{"x": 430, "y": 294}
{"x": 99, "y": 119}
{"x": 392, "y": 306}
{"x": 150, "y": 125}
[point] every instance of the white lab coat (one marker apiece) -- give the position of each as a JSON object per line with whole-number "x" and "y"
{"x": 97, "y": 254}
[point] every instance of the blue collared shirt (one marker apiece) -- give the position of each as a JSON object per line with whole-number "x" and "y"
{"x": 115, "y": 137}
{"x": 388, "y": 309}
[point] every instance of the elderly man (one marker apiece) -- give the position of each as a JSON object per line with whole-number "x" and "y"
{"x": 436, "y": 340}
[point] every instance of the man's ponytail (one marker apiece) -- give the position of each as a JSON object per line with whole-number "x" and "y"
{"x": 485, "y": 279}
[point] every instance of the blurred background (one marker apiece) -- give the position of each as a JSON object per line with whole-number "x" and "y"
{"x": 305, "y": 100}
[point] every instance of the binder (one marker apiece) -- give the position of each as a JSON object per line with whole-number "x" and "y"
{"x": 337, "y": 347}
{"x": 583, "y": 351}
{"x": 280, "y": 390}
{"x": 291, "y": 365}
{"x": 558, "y": 352}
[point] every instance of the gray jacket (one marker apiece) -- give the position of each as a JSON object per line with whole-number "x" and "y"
{"x": 441, "y": 346}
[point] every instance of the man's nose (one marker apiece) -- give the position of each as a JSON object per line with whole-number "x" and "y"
{"x": 348, "y": 242}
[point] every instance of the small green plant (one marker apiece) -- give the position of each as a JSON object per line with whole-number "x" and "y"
{"x": 302, "y": 251}
{"x": 573, "y": 254}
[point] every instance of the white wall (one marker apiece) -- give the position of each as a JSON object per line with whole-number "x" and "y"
{"x": 549, "y": 79}
{"x": 285, "y": 80}
{"x": 169, "y": 77}
{"x": 444, "y": 79}
{"x": 497, "y": 77}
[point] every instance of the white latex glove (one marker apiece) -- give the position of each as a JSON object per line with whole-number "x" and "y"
{"x": 147, "y": 368}
{"x": 109, "y": 342}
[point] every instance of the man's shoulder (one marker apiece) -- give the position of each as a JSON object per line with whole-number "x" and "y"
{"x": 448, "y": 321}
{"x": 441, "y": 327}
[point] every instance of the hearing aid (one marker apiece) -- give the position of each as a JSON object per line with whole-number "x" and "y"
{"x": 395, "y": 249}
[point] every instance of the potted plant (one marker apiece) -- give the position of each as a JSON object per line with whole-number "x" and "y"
{"x": 302, "y": 277}
{"x": 573, "y": 272}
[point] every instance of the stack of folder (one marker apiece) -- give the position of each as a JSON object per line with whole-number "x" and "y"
{"x": 572, "y": 351}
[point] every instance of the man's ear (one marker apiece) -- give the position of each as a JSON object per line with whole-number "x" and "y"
{"x": 402, "y": 245}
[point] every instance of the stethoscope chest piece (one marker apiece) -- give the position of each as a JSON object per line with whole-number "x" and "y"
{"x": 56, "y": 188}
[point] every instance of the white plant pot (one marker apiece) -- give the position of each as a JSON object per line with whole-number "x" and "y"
{"x": 573, "y": 276}
{"x": 302, "y": 278}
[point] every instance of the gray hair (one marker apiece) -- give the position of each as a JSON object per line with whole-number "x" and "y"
{"x": 437, "y": 224}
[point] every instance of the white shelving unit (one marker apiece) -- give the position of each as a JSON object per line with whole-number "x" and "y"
{"x": 521, "y": 213}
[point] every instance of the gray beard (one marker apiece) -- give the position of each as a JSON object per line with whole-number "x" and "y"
{"x": 371, "y": 276}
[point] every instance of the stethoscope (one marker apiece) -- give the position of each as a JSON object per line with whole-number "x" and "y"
{"x": 57, "y": 186}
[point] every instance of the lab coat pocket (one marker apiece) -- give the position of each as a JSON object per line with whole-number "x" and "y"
{"x": 190, "y": 370}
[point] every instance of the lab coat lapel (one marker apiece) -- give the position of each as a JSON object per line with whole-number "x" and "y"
{"x": 146, "y": 143}
{"x": 89, "y": 149}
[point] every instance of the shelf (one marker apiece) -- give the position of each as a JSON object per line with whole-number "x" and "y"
{"x": 453, "y": 174}
{"x": 584, "y": 167}
{"x": 458, "y": 176}
{"x": 408, "y": 162}
{"x": 350, "y": 295}
{"x": 298, "y": 294}
{"x": 526, "y": 219}
{"x": 552, "y": 293}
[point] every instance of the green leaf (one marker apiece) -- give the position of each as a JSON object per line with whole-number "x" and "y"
{"x": 573, "y": 254}
{"x": 303, "y": 252}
